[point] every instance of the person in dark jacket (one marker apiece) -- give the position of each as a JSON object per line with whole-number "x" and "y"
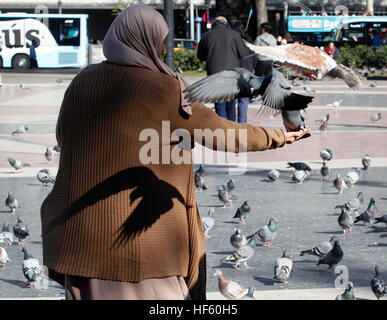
{"x": 221, "y": 48}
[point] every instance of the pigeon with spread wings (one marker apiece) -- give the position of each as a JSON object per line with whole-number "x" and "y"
{"x": 307, "y": 61}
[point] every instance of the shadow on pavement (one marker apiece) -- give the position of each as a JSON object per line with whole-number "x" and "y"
{"x": 265, "y": 281}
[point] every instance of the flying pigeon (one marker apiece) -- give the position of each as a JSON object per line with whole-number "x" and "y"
{"x": 307, "y": 61}
{"x": 283, "y": 268}
{"x": 242, "y": 213}
{"x": 335, "y": 104}
{"x": 20, "y": 130}
{"x": 354, "y": 204}
{"x": 44, "y": 177}
{"x": 345, "y": 221}
{"x": 17, "y": 164}
{"x": 326, "y": 154}
{"x": 300, "y": 176}
{"x": 352, "y": 177}
{"x": 322, "y": 249}
{"x": 325, "y": 171}
{"x": 323, "y": 119}
{"x": 339, "y": 184}
{"x": 366, "y": 161}
{"x": 299, "y": 166}
{"x": 333, "y": 257}
{"x": 348, "y": 293}
{"x": 208, "y": 222}
{"x": 199, "y": 182}
{"x": 3, "y": 258}
{"x": 30, "y": 266}
{"x": 224, "y": 196}
{"x": 383, "y": 218}
{"x": 377, "y": 284}
{"x": 274, "y": 175}
{"x": 237, "y": 239}
{"x": 20, "y": 230}
{"x": 294, "y": 120}
{"x": 49, "y": 155}
{"x": 369, "y": 215}
{"x": 12, "y": 203}
{"x": 243, "y": 254}
{"x": 6, "y": 237}
{"x": 230, "y": 289}
{"x": 267, "y": 233}
{"x": 376, "y": 117}
{"x": 56, "y": 148}
{"x": 274, "y": 91}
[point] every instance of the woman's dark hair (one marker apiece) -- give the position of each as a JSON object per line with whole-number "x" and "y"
{"x": 266, "y": 26}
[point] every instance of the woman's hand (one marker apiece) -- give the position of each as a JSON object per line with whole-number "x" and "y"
{"x": 295, "y": 135}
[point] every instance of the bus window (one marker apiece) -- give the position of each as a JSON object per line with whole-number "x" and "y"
{"x": 65, "y": 31}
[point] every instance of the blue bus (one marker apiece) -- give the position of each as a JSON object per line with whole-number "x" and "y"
{"x": 354, "y": 30}
{"x": 61, "y": 40}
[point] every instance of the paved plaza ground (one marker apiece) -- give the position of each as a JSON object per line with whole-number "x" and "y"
{"x": 305, "y": 213}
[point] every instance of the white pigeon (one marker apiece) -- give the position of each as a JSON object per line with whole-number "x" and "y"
{"x": 283, "y": 268}
{"x": 352, "y": 178}
{"x": 230, "y": 289}
{"x": 274, "y": 175}
{"x": 3, "y": 258}
{"x": 376, "y": 117}
{"x": 326, "y": 154}
{"x": 6, "y": 236}
{"x": 23, "y": 87}
{"x": 299, "y": 176}
{"x": 31, "y": 268}
{"x": 208, "y": 222}
{"x": 44, "y": 177}
{"x": 335, "y": 104}
{"x": 339, "y": 184}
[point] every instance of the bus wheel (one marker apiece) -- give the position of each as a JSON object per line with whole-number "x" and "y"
{"x": 21, "y": 61}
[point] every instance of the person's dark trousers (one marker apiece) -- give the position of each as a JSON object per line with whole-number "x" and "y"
{"x": 34, "y": 63}
{"x": 226, "y": 110}
{"x": 264, "y": 68}
{"x": 243, "y": 104}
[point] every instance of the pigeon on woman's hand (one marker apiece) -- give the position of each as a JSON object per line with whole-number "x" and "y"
{"x": 294, "y": 120}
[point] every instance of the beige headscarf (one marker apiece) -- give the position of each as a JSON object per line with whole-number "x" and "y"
{"x": 136, "y": 38}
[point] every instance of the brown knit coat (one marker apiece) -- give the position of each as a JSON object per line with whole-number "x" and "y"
{"x": 111, "y": 217}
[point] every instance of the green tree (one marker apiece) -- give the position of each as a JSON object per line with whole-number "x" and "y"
{"x": 120, "y": 6}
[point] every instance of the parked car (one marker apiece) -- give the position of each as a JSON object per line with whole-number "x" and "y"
{"x": 184, "y": 44}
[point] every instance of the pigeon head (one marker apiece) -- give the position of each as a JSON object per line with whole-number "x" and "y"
{"x": 377, "y": 271}
{"x": 336, "y": 244}
{"x": 245, "y": 204}
{"x": 11, "y": 160}
{"x": 25, "y": 128}
{"x": 27, "y": 253}
{"x": 286, "y": 254}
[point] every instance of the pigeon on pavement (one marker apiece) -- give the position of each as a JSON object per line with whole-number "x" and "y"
{"x": 3, "y": 258}
{"x": 323, "y": 119}
{"x": 31, "y": 268}
{"x": 243, "y": 254}
{"x": 49, "y": 155}
{"x": 376, "y": 117}
{"x": 354, "y": 204}
{"x": 201, "y": 171}
{"x": 373, "y": 84}
{"x": 339, "y": 184}
{"x": 325, "y": 171}
{"x": 267, "y": 233}
{"x": 229, "y": 288}
{"x": 199, "y": 182}
{"x": 335, "y": 104}
{"x": 300, "y": 176}
{"x": 294, "y": 120}
{"x": 44, "y": 177}
{"x": 352, "y": 177}
{"x": 283, "y": 268}
{"x": 274, "y": 175}
{"x": 20, "y": 130}
{"x": 322, "y": 249}
{"x": 242, "y": 213}
{"x": 345, "y": 221}
{"x": 348, "y": 293}
{"x": 225, "y": 197}
{"x": 6, "y": 237}
{"x": 12, "y": 203}
{"x": 20, "y": 230}
{"x": 323, "y": 127}
{"x": 208, "y": 222}
{"x": 333, "y": 257}
{"x": 377, "y": 284}
{"x": 383, "y": 219}
{"x": 366, "y": 161}
{"x": 237, "y": 239}
{"x": 369, "y": 215}
{"x": 17, "y": 164}
{"x": 326, "y": 154}
{"x": 299, "y": 166}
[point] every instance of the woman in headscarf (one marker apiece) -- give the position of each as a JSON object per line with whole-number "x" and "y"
{"x": 121, "y": 221}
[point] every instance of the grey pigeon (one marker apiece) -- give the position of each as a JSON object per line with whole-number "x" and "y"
{"x": 339, "y": 184}
{"x": 56, "y": 148}
{"x": 323, "y": 119}
{"x": 208, "y": 222}
{"x": 369, "y": 215}
{"x": 377, "y": 284}
{"x": 373, "y": 84}
{"x": 299, "y": 166}
{"x": 201, "y": 171}
{"x": 20, "y": 230}
{"x": 299, "y": 176}
{"x": 352, "y": 177}
{"x": 224, "y": 196}
{"x": 274, "y": 175}
{"x": 366, "y": 161}
{"x": 348, "y": 293}
{"x": 230, "y": 185}
{"x": 376, "y": 117}
{"x": 383, "y": 219}
{"x": 345, "y": 221}
{"x": 17, "y": 164}
{"x": 322, "y": 249}
{"x": 294, "y": 120}
{"x": 243, "y": 254}
{"x": 237, "y": 239}
{"x": 12, "y": 203}
{"x": 3, "y": 258}
{"x": 6, "y": 236}
{"x": 44, "y": 177}
{"x": 283, "y": 268}
{"x": 267, "y": 233}
{"x": 31, "y": 268}
{"x": 309, "y": 89}
{"x": 20, "y": 130}
{"x": 333, "y": 257}
{"x": 199, "y": 182}
{"x": 326, "y": 154}
{"x": 229, "y": 288}
{"x": 274, "y": 91}
{"x": 242, "y": 213}
{"x": 250, "y": 294}
{"x": 49, "y": 155}
{"x": 325, "y": 171}
{"x": 354, "y": 204}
